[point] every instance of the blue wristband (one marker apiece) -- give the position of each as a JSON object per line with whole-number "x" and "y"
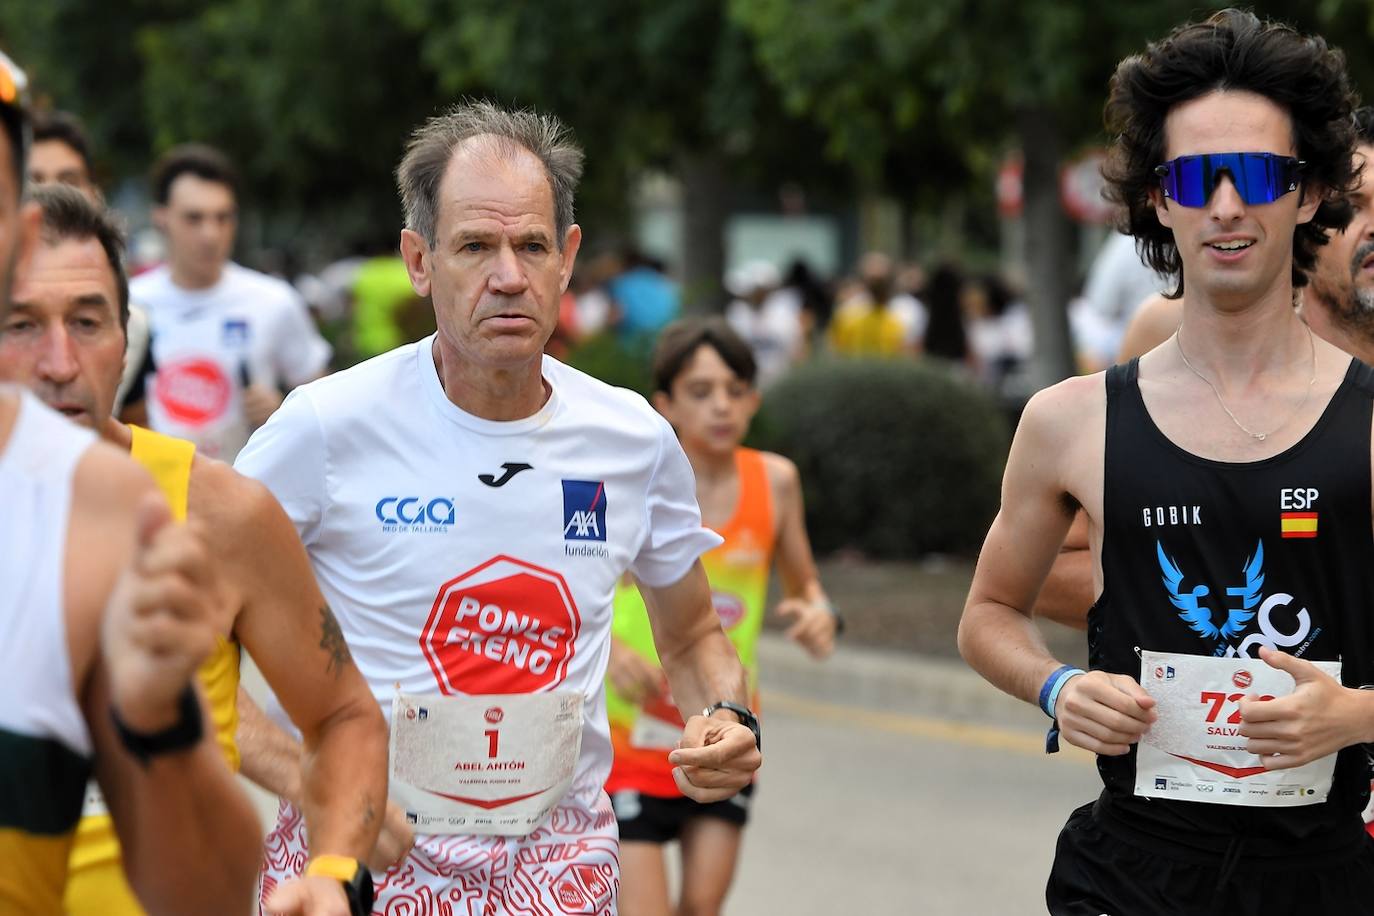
{"x": 1049, "y": 693}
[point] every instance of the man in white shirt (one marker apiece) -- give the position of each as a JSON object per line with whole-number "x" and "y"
{"x": 226, "y": 339}
{"x": 469, "y": 505}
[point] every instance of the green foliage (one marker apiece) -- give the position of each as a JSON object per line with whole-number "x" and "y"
{"x": 615, "y": 363}
{"x": 897, "y": 458}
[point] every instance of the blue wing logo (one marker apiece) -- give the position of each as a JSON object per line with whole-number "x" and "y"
{"x": 1193, "y": 613}
{"x": 1249, "y": 595}
{"x": 1196, "y": 614}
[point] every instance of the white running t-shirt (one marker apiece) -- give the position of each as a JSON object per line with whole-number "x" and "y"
{"x": 416, "y": 513}
{"x": 207, "y": 342}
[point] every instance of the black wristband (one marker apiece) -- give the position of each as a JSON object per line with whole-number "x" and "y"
{"x": 185, "y": 733}
{"x": 746, "y": 718}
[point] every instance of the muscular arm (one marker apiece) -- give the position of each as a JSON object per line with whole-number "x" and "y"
{"x": 1101, "y": 712}
{"x": 293, "y": 636}
{"x": 191, "y": 841}
{"x": 267, "y": 755}
{"x": 996, "y": 635}
{"x": 804, "y": 600}
{"x": 1067, "y": 595}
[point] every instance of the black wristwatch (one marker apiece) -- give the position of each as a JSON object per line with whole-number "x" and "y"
{"x": 746, "y": 718}
{"x": 352, "y": 874}
{"x": 185, "y": 733}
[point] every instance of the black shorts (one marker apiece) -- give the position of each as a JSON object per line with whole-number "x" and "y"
{"x": 1097, "y": 872}
{"x": 653, "y": 819}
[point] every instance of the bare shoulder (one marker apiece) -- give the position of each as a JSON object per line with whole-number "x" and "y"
{"x": 1062, "y": 410}
{"x": 108, "y": 482}
{"x": 222, "y": 497}
{"x": 782, "y": 472}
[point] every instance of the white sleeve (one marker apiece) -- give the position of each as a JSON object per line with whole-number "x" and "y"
{"x": 287, "y": 455}
{"x": 299, "y": 353}
{"x": 675, "y": 537}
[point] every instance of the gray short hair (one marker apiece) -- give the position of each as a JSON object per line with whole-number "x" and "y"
{"x": 433, "y": 143}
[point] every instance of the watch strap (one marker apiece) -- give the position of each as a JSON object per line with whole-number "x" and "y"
{"x": 352, "y": 874}
{"x": 746, "y": 718}
{"x": 185, "y": 733}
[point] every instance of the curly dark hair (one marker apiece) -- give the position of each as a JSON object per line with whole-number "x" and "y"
{"x": 1234, "y": 50}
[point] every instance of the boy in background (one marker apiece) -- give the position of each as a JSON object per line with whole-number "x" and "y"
{"x": 704, "y": 385}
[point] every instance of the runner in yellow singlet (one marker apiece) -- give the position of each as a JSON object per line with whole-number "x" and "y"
{"x": 704, "y": 380}
{"x": 64, "y": 339}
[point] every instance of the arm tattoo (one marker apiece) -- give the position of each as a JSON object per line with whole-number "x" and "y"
{"x": 332, "y": 641}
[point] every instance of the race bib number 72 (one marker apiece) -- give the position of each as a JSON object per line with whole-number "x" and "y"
{"x": 1195, "y": 751}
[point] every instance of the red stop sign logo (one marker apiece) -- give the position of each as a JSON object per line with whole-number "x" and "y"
{"x": 193, "y": 391}
{"x": 506, "y": 626}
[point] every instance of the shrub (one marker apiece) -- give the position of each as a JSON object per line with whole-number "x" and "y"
{"x": 898, "y": 458}
{"x": 605, "y": 357}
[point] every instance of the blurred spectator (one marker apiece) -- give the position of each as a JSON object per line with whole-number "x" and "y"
{"x": 646, "y": 298}
{"x": 594, "y": 311}
{"x": 767, "y": 317}
{"x": 998, "y": 329}
{"x": 876, "y": 320}
{"x": 813, "y": 298}
{"x": 60, "y": 154}
{"x": 1118, "y": 282}
{"x": 386, "y": 311}
{"x": 227, "y": 340}
{"x": 945, "y": 336}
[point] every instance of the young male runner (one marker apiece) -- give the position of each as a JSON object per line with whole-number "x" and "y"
{"x": 469, "y": 506}
{"x": 226, "y": 339}
{"x": 64, "y": 339}
{"x": 1226, "y": 483}
{"x": 704, "y": 385}
{"x": 105, "y": 612}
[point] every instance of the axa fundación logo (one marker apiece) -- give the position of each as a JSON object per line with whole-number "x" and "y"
{"x": 584, "y": 518}
{"x": 415, "y": 514}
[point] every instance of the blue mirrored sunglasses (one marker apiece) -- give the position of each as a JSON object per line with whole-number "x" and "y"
{"x": 1260, "y": 178}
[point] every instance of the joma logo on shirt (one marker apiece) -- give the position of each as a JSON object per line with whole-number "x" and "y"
{"x": 1162, "y": 516}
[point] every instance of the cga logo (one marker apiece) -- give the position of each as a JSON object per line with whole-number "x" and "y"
{"x": 406, "y": 513}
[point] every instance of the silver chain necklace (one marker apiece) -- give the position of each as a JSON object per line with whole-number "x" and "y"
{"x": 1178, "y": 340}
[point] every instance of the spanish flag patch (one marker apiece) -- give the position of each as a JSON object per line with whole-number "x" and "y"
{"x": 1298, "y": 524}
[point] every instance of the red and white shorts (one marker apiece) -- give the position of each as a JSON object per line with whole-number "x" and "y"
{"x": 568, "y": 867}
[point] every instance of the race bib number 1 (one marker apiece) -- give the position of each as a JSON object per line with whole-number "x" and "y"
{"x": 490, "y": 765}
{"x": 1195, "y": 751}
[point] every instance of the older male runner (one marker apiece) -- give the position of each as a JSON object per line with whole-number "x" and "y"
{"x": 64, "y": 340}
{"x": 1226, "y": 483}
{"x": 105, "y": 612}
{"x": 469, "y": 505}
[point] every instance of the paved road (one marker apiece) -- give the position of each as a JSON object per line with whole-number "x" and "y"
{"x": 864, "y": 812}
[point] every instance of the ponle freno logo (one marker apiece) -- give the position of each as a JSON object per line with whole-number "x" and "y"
{"x": 729, "y": 608}
{"x": 1242, "y": 679}
{"x": 193, "y": 391}
{"x": 506, "y": 626}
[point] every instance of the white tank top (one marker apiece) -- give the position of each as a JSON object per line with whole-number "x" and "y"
{"x": 37, "y": 693}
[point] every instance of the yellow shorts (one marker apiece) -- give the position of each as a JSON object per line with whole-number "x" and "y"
{"x": 95, "y": 874}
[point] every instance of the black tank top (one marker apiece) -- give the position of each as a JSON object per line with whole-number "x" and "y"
{"x": 1252, "y": 574}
